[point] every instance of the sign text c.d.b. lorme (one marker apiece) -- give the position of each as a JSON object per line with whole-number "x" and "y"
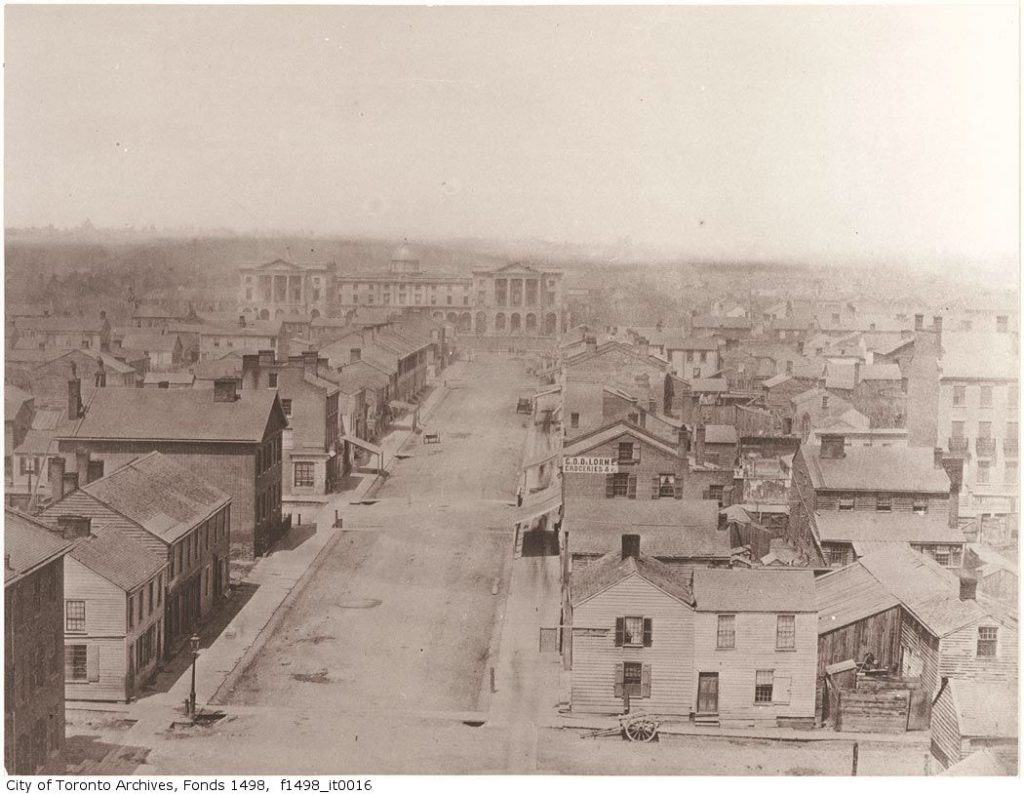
{"x": 588, "y": 465}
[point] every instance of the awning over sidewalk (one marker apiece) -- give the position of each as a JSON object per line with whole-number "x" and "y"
{"x": 537, "y": 505}
{"x": 358, "y": 442}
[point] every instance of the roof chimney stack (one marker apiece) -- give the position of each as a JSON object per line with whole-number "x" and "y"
{"x": 74, "y": 527}
{"x": 74, "y": 394}
{"x": 630, "y": 546}
{"x": 55, "y": 473}
{"x": 700, "y": 434}
{"x": 968, "y": 586}
{"x": 225, "y": 390}
{"x": 833, "y": 446}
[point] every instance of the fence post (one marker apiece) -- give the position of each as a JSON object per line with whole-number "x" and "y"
{"x": 856, "y": 753}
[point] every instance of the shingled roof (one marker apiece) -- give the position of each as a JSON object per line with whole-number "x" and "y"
{"x": 118, "y": 558}
{"x": 887, "y": 469}
{"x": 158, "y": 494}
{"x": 849, "y": 594}
{"x": 985, "y": 709}
{"x": 612, "y": 569}
{"x": 28, "y": 545}
{"x": 176, "y": 415}
{"x": 754, "y": 590}
{"x": 850, "y": 526}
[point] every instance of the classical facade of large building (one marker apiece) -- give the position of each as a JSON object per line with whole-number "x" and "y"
{"x": 516, "y": 301}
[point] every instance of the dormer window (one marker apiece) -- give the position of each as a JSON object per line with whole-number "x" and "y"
{"x": 625, "y": 451}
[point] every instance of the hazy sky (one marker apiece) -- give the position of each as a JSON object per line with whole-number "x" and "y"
{"x": 808, "y": 132}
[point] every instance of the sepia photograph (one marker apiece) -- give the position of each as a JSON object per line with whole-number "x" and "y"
{"x": 509, "y": 390}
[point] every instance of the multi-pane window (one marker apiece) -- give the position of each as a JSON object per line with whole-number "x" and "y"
{"x": 666, "y": 485}
{"x": 959, "y": 395}
{"x": 717, "y": 492}
{"x": 286, "y": 406}
{"x": 958, "y": 429}
{"x": 763, "y": 684}
{"x": 1011, "y": 472}
{"x": 625, "y": 451}
{"x": 74, "y": 616}
{"x": 574, "y": 420}
{"x": 632, "y": 678}
{"x": 987, "y": 638}
{"x": 76, "y": 662}
{"x": 984, "y": 471}
{"x": 883, "y": 503}
{"x": 846, "y": 503}
{"x": 984, "y": 430}
{"x": 920, "y": 504}
{"x": 986, "y": 396}
{"x": 620, "y": 484}
{"x": 785, "y": 632}
{"x": 726, "y": 632}
{"x": 272, "y": 380}
{"x": 941, "y": 554}
{"x": 304, "y": 474}
{"x": 633, "y": 631}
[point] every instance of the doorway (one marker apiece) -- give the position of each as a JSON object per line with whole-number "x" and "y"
{"x": 707, "y": 693}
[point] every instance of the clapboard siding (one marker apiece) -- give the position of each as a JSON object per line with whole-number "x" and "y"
{"x": 594, "y": 655}
{"x": 958, "y": 654}
{"x": 652, "y": 462}
{"x": 919, "y": 654}
{"x": 947, "y": 744}
{"x": 755, "y": 650}
{"x": 107, "y": 634}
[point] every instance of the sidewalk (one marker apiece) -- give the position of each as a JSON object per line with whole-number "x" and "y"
{"x": 279, "y": 577}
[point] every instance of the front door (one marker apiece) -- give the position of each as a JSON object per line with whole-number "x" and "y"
{"x": 707, "y": 693}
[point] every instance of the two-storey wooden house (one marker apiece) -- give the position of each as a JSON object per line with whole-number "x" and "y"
{"x": 755, "y": 646}
{"x": 34, "y": 655}
{"x": 113, "y": 611}
{"x": 629, "y": 633}
{"x": 175, "y": 514}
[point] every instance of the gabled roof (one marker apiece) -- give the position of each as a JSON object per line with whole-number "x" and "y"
{"x": 849, "y": 594}
{"x": 924, "y": 587}
{"x": 119, "y": 558}
{"x": 587, "y": 441}
{"x": 980, "y": 763}
{"x": 283, "y": 263}
{"x": 361, "y": 375}
{"x": 886, "y": 469}
{"x": 754, "y": 590}
{"x": 158, "y": 494}
{"x": 841, "y": 376}
{"x": 851, "y": 526}
{"x": 176, "y": 415}
{"x": 777, "y": 380}
{"x": 612, "y": 569}
{"x": 616, "y": 346}
{"x": 984, "y": 709}
{"x": 28, "y": 545}
{"x": 671, "y": 528}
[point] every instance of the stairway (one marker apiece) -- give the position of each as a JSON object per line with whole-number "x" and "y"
{"x": 706, "y": 719}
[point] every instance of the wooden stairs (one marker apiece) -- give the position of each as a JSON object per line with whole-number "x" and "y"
{"x": 706, "y": 719}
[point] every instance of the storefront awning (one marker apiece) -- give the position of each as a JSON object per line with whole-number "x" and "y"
{"x": 537, "y": 505}
{"x": 358, "y": 442}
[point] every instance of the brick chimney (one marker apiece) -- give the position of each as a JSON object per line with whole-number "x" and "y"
{"x": 955, "y": 471}
{"x": 73, "y": 527}
{"x": 630, "y": 546}
{"x": 69, "y": 482}
{"x": 700, "y": 435}
{"x": 267, "y": 358}
{"x": 74, "y": 394}
{"x": 250, "y": 369}
{"x": 82, "y": 458}
{"x": 684, "y": 442}
{"x": 225, "y": 390}
{"x": 55, "y": 473}
{"x": 311, "y": 362}
{"x": 968, "y": 586}
{"x": 833, "y": 446}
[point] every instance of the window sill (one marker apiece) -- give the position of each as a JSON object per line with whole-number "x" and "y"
{"x": 785, "y": 650}
{"x": 733, "y": 648}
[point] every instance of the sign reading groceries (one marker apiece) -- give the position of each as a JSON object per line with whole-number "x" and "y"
{"x": 588, "y": 465}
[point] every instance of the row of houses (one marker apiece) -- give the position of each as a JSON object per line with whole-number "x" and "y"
{"x": 736, "y": 574}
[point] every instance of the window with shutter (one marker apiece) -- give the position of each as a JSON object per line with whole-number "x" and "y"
{"x": 648, "y": 632}
{"x": 631, "y": 487}
{"x": 75, "y": 666}
{"x": 633, "y": 631}
{"x": 645, "y": 681}
{"x": 780, "y": 689}
{"x": 619, "y": 674}
{"x": 620, "y": 632}
{"x": 632, "y": 678}
{"x": 609, "y": 486}
{"x": 655, "y": 486}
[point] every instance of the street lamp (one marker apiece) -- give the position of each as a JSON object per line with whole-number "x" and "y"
{"x": 193, "y": 642}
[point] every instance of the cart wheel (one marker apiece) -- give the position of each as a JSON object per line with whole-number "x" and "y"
{"x": 641, "y": 730}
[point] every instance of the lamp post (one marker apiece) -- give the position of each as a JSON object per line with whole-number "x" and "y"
{"x": 193, "y": 642}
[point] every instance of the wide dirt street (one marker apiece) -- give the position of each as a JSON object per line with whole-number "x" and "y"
{"x": 400, "y": 615}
